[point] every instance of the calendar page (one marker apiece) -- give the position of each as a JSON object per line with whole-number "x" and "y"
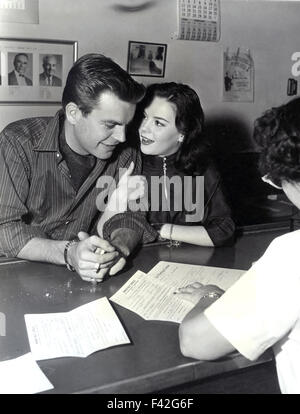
{"x": 199, "y": 20}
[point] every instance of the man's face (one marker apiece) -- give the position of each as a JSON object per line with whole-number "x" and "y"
{"x": 50, "y": 66}
{"x": 21, "y": 63}
{"x": 103, "y": 129}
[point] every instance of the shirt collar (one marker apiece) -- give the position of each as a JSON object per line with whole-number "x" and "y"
{"x": 18, "y": 75}
{"x": 49, "y": 141}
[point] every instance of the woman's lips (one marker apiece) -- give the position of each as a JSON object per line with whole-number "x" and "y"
{"x": 146, "y": 141}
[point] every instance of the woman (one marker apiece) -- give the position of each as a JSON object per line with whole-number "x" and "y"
{"x": 190, "y": 207}
{"x": 262, "y": 309}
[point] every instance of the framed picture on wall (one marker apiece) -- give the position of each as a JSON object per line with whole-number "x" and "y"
{"x": 146, "y": 59}
{"x": 34, "y": 71}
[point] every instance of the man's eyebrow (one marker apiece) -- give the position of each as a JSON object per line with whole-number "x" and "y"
{"x": 110, "y": 121}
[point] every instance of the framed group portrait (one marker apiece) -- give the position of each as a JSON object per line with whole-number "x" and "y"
{"x": 146, "y": 59}
{"x": 34, "y": 71}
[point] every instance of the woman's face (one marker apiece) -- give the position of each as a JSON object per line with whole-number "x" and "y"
{"x": 158, "y": 132}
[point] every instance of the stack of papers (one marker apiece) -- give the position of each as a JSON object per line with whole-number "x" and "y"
{"x": 152, "y": 295}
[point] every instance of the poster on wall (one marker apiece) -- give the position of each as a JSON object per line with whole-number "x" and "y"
{"x": 19, "y": 11}
{"x": 238, "y": 76}
{"x": 199, "y": 20}
{"x": 34, "y": 70}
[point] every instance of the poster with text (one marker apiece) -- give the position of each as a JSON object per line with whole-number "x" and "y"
{"x": 238, "y": 76}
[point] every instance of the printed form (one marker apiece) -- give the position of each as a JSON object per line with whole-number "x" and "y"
{"x": 152, "y": 295}
{"x": 77, "y": 333}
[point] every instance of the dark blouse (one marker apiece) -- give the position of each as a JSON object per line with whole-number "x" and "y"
{"x": 172, "y": 202}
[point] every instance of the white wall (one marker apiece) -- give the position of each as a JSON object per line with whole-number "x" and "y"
{"x": 270, "y": 29}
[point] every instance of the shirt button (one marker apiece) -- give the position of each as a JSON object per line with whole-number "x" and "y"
{"x": 67, "y": 222}
{"x": 58, "y": 154}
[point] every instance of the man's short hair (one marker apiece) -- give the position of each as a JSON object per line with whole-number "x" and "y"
{"x": 20, "y": 54}
{"x": 94, "y": 74}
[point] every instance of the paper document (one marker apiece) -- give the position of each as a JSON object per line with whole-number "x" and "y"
{"x": 22, "y": 375}
{"x": 152, "y": 295}
{"x": 180, "y": 274}
{"x": 151, "y": 299}
{"x": 77, "y": 333}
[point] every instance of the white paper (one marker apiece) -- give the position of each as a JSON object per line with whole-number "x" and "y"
{"x": 151, "y": 299}
{"x": 22, "y": 375}
{"x": 152, "y": 295}
{"x": 77, "y": 333}
{"x": 179, "y": 274}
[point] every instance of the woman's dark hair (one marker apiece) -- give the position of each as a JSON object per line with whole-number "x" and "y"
{"x": 93, "y": 74}
{"x": 192, "y": 156}
{"x": 277, "y": 133}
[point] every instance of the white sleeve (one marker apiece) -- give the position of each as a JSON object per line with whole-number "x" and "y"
{"x": 263, "y": 305}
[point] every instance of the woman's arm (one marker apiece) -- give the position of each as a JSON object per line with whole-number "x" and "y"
{"x": 198, "y": 338}
{"x": 217, "y": 219}
{"x": 187, "y": 234}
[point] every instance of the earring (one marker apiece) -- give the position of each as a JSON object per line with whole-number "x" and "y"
{"x": 181, "y": 138}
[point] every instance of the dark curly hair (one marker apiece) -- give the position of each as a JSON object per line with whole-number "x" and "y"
{"x": 193, "y": 155}
{"x": 277, "y": 133}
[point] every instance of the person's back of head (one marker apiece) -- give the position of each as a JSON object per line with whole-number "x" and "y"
{"x": 94, "y": 74}
{"x": 277, "y": 133}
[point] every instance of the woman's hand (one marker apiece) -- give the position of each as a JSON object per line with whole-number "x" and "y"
{"x": 195, "y": 291}
{"x": 130, "y": 188}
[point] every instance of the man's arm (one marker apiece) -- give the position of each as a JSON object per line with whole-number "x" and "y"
{"x": 19, "y": 239}
{"x": 82, "y": 255}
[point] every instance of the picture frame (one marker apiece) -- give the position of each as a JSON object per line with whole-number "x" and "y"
{"x": 34, "y": 71}
{"x": 146, "y": 59}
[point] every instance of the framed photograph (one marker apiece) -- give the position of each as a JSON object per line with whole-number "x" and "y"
{"x": 146, "y": 59}
{"x": 34, "y": 71}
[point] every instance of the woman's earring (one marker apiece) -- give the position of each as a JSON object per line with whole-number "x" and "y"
{"x": 181, "y": 138}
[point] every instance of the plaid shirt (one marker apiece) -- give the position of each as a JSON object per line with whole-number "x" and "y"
{"x": 37, "y": 196}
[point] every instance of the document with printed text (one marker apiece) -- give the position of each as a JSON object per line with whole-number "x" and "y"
{"x": 78, "y": 333}
{"x": 152, "y": 295}
{"x": 22, "y": 375}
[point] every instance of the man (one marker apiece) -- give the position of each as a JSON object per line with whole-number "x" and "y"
{"x": 49, "y": 169}
{"x": 47, "y": 78}
{"x": 17, "y": 76}
{"x": 262, "y": 309}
